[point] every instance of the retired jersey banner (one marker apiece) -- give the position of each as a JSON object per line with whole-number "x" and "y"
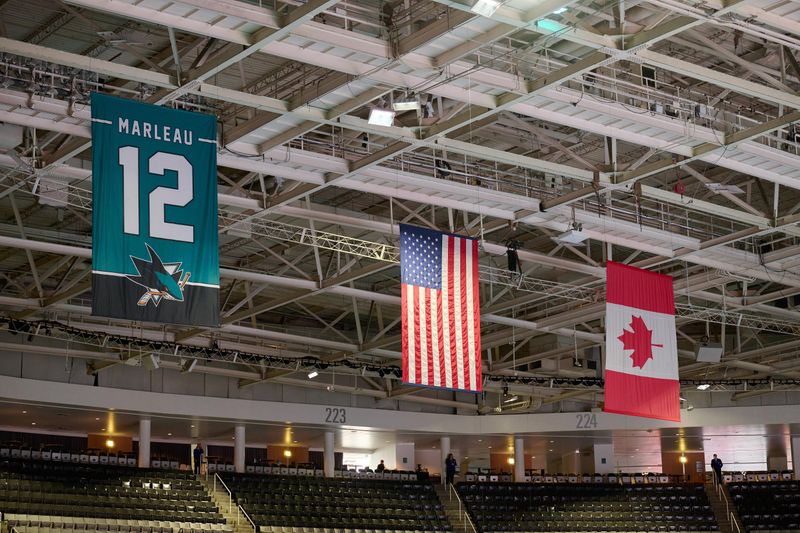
{"x": 155, "y": 253}
{"x": 641, "y": 376}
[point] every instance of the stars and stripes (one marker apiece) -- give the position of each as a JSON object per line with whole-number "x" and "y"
{"x": 440, "y": 309}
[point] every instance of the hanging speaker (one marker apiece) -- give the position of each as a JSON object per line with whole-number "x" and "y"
{"x": 709, "y": 352}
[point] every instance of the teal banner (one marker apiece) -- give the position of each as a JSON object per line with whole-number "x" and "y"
{"x": 155, "y": 252}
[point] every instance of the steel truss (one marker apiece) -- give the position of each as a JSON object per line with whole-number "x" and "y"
{"x": 238, "y": 224}
{"x": 488, "y": 274}
{"x": 244, "y": 225}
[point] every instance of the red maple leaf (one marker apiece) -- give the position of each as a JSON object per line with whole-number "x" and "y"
{"x": 640, "y": 340}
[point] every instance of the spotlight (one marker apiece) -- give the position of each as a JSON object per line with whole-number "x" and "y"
{"x": 313, "y": 374}
{"x": 287, "y": 453}
{"x": 683, "y": 459}
{"x": 188, "y": 366}
{"x": 109, "y": 443}
{"x": 511, "y": 460}
{"x": 381, "y": 117}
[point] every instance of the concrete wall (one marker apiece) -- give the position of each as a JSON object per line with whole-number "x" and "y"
{"x": 388, "y": 454}
{"x": 405, "y": 457}
{"x": 603, "y": 459}
{"x": 429, "y": 459}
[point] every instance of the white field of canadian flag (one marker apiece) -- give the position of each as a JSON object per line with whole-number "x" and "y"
{"x": 641, "y": 371}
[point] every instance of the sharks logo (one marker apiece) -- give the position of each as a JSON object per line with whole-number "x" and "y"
{"x": 162, "y": 281}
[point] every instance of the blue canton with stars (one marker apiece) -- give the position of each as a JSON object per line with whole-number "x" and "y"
{"x": 420, "y": 257}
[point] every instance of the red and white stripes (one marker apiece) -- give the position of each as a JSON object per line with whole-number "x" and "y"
{"x": 441, "y": 328}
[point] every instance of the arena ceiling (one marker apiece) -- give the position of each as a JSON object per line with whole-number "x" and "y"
{"x": 664, "y": 130}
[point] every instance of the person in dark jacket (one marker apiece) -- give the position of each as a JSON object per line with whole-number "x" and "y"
{"x": 716, "y": 466}
{"x": 381, "y": 467}
{"x": 198, "y": 458}
{"x": 450, "y": 465}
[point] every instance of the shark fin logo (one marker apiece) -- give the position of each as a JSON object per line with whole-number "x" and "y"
{"x": 162, "y": 281}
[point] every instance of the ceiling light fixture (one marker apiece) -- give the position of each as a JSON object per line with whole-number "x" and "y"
{"x": 485, "y": 8}
{"x": 406, "y": 104}
{"x": 188, "y": 366}
{"x": 560, "y": 10}
{"x": 511, "y": 399}
{"x": 717, "y": 188}
{"x": 313, "y": 374}
{"x": 703, "y": 386}
{"x": 381, "y": 117}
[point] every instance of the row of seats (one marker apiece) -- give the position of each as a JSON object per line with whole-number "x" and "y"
{"x": 19, "y": 468}
{"x": 93, "y": 457}
{"x": 347, "y": 504}
{"x": 505, "y": 477}
{"x": 51, "y": 498}
{"x": 772, "y": 475}
{"x": 277, "y": 470}
{"x": 32, "y": 522}
{"x": 301, "y": 529}
{"x": 129, "y": 513}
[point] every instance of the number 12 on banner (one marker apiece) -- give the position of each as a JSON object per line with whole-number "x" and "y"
{"x": 160, "y": 197}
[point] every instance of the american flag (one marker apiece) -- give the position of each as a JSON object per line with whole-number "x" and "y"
{"x": 441, "y": 309}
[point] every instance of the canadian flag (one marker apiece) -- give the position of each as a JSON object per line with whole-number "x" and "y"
{"x": 641, "y": 377}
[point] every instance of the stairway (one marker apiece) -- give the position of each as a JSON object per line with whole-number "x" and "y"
{"x": 222, "y": 500}
{"x": 721, "y": 512}
{"x": 458, "y": 523}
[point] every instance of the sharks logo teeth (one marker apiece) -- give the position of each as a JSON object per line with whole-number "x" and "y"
{"x": 162, "y": 281}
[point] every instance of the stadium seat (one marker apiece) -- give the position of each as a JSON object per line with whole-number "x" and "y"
{"x": 566, "y": 507}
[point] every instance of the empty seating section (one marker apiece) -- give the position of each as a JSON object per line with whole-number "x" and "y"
{"x": 767, "y": 506}
{"x": 284, "y": 503}
{"x": 106, "y": 496}
{"x": 587, "y": 507}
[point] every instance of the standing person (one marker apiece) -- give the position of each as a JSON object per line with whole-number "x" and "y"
{"x": 381, "y": 467}
{"x": 716, "y": 465}
{"x": 198, "y": 458}
{"x": 450, "y": 465}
